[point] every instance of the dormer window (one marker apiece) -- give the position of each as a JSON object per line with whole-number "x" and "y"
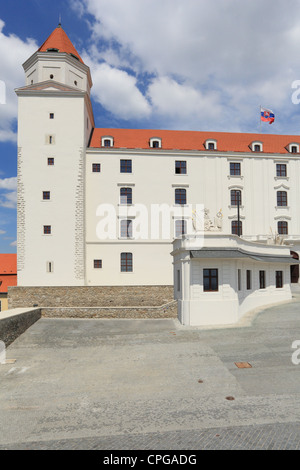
{"x": 74, "y": 56}
{"x": 211, "y": 144}
{"x": 293, "y": 148}
{"x": 155, "y": 142}
{"x": 107, "y": 141}
{"x": 257, "y": 147}
{"x": 52, "y": 49}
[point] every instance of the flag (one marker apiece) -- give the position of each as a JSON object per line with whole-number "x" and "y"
{"x": 267, "y": 115}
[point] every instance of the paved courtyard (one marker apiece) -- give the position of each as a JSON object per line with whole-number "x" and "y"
{"x": 153, "y": 384}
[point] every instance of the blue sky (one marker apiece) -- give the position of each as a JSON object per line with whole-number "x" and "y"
{"x": 171, "y": 64}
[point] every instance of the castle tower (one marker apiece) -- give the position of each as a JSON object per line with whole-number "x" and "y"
{"x": 55, "y": 121}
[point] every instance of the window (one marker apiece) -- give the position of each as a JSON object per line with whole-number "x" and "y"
{"x": 126, "y": 166}
{"x": 107, "y": 141}
{"x": 262, "y": 279}
{"x": 248, "y": 279}
{"x": 50, "y": 161}
{"x": 178, "y": 280}
{"x": 126, "y": 228}
{"x": 96, "y": 168}
{"x": 180, "y": 196}
{"x": 294, "y": 149}
{"x": 97, "y": 263}
{"x": 235, "y": 197}
{"x": 257, "y": 148}
{"x": 210, "y": 280}
{"x": 47, "y": 229}
{"x": 180, "y": 168}
{"x": 279, "y": 279}
{"x": 155, "y": 142}
{"x": 237, "y": 228}
{"x": 126, "y": 195}
{"x": 281, "y": 198}
{"x": 239, "y": 279}
{"x": 49, "y": 267}
{"x": 211, "y": 144}
{"x": 50, "y": 139}
{"x": 280, "y": 169}
{"x": 180, "y": 227}
{"x": 235, "y": 169}
{"x": 126, "y": 262}
{"x": 282, "y": 228}
{"x": 46, "y": 195}
{"x": 51, "y": 116}
{"x": 52, "y": 49}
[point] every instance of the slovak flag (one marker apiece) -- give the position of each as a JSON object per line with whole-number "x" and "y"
{"x": 267, "y": 115}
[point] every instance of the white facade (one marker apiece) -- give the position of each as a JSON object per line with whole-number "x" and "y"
{"x": 239, "y": 277}
{"x": 85, "y": 177}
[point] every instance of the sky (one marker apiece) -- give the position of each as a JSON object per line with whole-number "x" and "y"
{"x": 158, "y": 64}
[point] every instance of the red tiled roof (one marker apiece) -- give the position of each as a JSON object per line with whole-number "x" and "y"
{"x": 8, "y": 263}
{"x": 7, "y": 281}
{"x": 8, "y": 270}
{"x": 58, "y": 39}
{"x": 193, "y": 140}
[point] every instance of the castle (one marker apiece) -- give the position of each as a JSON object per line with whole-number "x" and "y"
{"x": 101, "y": 207}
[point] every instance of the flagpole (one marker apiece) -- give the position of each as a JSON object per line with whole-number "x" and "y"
{"x": 260, "y": 117}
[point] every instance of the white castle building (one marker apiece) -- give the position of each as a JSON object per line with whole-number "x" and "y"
{"x": 101, "y": 207}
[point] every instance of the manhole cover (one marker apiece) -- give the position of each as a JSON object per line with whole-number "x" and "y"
{"x": 243, "y": 365}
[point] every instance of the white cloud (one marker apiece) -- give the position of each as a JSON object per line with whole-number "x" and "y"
{"x": 13, "y": 53}
{"x": 2, "y": 232}
{"x": 8, "y": 199}
{"x": 13, "y": 243}
{"x": 231, "y": 54}
{"x": 117, "y": 91}
{"x": 8, "y": 183}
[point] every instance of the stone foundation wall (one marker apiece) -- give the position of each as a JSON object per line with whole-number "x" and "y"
{"x": 97, "y": 301}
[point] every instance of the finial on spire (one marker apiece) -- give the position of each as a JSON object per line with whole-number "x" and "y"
{"x": 59, "y": 21}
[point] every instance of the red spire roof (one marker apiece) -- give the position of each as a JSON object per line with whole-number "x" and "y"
{"x": 59, "y": 40}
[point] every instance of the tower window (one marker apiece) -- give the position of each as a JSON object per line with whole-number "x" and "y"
{"x": 97, "y": 263}
{"x": 96, "y": 167}
{"x": 46, "y": 195}
{"x": 51, "y": 76}
{"x": 126, "y": 262}
{"x": 50, "y": 161}
{"x": 47, "y": 229}
{"x": 51, "y": 115}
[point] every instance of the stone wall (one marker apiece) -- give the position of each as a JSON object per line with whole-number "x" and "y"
{"x": 97, "y": 301}
{"x": 14, "y": 322}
